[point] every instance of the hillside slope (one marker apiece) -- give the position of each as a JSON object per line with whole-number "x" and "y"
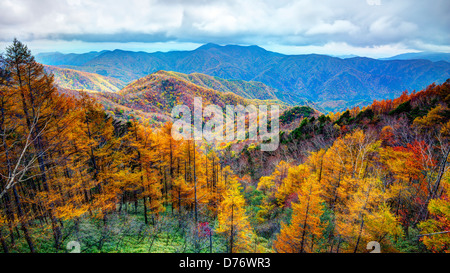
{"x": 79, "y": 80}
{"x": 245, "y": 89}
{"x": 159, "y": 92}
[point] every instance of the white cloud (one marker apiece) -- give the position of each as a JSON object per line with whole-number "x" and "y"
{"x": 338, "y": 26}
{"x": 388, "y": 26}
{"x": 290, "y": 23}
{"x": 342, "y": 48}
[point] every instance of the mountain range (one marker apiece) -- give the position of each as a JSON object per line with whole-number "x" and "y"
{"x": 431, "y": 56}
{"x": 334, "y": 84}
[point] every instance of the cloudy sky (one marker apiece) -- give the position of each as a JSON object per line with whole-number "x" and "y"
{"x": 374, "y": 28}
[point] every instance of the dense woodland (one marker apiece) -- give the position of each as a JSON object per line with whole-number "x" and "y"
{"x": 70, "y": 171}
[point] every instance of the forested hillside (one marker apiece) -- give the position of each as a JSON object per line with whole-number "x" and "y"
{"x": 333, "y": 83}
{"x": 84, "y": 81}
{"x": 245, "y": 89}
{"x": 72, "y": 171}
{"x": 150, "y": 100}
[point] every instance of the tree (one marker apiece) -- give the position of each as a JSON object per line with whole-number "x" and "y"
{"x": 436, "y": 230}
{"x": 269, "y": 185}
{"x": 232, "y": 219}
{"x": 305, "y": 226}
{"x": 366, "y": 216}
{"x": 43, "y": 120}
{"x": 296, "y": 176}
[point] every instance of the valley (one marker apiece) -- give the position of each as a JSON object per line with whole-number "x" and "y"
{"x": 90, "y": 156}
{"x": 332, "y": 83}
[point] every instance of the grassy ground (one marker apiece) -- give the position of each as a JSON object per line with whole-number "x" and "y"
{"x": 125, "y": 232}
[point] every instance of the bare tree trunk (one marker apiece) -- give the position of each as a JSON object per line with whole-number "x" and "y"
{"x": 232, "y": 229}
{"x": 2, "y": 240}
{"x": 195, "y": 189}
{"x": 23, "y": 223}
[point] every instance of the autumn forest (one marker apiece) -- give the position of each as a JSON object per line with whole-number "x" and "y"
{"x": 101, "y": 169}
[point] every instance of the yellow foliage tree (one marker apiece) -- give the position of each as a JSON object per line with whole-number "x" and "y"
{"x": 366, "y": 216}
{"x": 232, "y": 219}
{"x": 305, "y": 226}
{"x": 437, "y": 228}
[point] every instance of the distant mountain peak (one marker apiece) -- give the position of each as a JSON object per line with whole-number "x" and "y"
{"x": 425, "y": 55}
{"x": 209, "y": 46}
{"x": 251, "y": 47}
{"x": 348, "y": 56}
{"x": 50, "y": 53}
{"x": 212, "y": 45}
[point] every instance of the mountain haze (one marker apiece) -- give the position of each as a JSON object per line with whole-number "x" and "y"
{"x": 431, "y": 56}
{"x": 58, "y": 58}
